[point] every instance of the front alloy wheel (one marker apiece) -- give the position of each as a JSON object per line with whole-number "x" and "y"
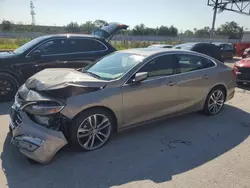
{"x": 92, "y": 130}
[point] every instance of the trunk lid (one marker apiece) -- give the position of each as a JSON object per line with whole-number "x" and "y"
{"x": 109, "y": 30}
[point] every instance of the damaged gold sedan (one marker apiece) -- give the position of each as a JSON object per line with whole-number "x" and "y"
{"x": 85, "y": 107}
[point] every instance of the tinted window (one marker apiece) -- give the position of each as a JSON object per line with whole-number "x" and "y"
{"x": 29, "y": 45}
{"x": 57, "y": 46}
{"x": 163, "y": 65}
{"x": 189, "y": 63}
{"x": 85, "y": 45}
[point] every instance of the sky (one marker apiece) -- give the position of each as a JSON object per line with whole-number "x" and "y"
{"x": 183, "y": 14}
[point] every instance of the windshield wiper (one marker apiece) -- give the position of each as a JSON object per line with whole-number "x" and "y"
{"x": 92, "y": 74}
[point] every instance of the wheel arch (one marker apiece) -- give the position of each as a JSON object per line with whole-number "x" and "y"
{"x": 222, "y": 86}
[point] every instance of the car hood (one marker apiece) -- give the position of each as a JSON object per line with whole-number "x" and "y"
{"x": 52, "y": 79}
{"x": 5, "y": 55}
{"x": 243, "y": 63}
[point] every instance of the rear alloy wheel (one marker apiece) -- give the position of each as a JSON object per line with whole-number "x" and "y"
{"x": 8, "y": 87}
{"x": 92, "y": 130}
{"x": 214, "y": 102}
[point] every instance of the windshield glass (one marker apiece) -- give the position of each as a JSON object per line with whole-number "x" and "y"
{"x": 115, "y": 65}
{"x": 28, "y": 45}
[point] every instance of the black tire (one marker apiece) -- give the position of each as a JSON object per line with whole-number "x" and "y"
{"x": 76, "y": 142}
{"x": 206, "y": 110}
{"x": 8, "y": 87}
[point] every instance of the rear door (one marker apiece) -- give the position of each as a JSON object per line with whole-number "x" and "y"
{"x": 70, "y": 53}
{"x": 194, "y": 79}
{"x": 154, "y": 97}
{"x": 109, "y": 31}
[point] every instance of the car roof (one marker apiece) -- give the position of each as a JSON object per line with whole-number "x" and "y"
{"x": 71, "y": 35}
{"x": 153, "y": 51}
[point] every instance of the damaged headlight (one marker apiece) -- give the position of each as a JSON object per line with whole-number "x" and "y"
{"x": 43, "y": 108}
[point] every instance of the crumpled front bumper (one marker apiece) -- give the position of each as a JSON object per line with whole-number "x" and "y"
{"x": 35, "y": 141}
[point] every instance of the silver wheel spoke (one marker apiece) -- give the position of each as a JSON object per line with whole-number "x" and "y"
{"x": 103, "y": 121}
{"x": 219, "y": 95}
{"x": 86, "y": 143}
{"x": 100, "y": 138}
{"x": 210, "y": 107}
{"x": 220, "y": 102}
{"x": 213, "y": 97}
{"x": 92, "y": 142}
{"x": 100, "y": 133}
{"x": 82, "y": 130}
{"x": 104, "y": 126}
{"x": 215, "y": 109}
{"x": 95, "y": 121}
{"x": 84, "y": 135}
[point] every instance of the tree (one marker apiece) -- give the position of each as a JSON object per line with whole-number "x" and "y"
{"x": 163, "y": 31}
{"x": 173, "y": 31}
{"x": 73, "y": 27}
{"x": 231, "y": 29}
{"x": 188, "y": 33}
{"x": 100, "y": 23}
{"x": 6, "y": 25}
{"x": 88, "y": 27}
{"x": 139, "y": 30}
{"x": 205, "y": 32}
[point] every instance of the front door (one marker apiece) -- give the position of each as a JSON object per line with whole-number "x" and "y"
{"x": 154, "y": 97}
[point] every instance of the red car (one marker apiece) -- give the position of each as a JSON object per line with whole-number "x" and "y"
{"x": 242, "y": 69}
{"x": 246, "y": 53}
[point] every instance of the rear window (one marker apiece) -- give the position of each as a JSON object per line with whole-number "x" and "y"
{"x": 85, "y": 45}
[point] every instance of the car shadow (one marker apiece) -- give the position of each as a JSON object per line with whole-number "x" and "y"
{"x": 154, "y": 152}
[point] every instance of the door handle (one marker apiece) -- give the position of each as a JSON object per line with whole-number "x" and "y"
{"x": 205, "y": 77}
{"x": 170, "y": 83}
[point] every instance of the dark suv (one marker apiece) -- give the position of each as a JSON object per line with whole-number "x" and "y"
{"x": 204, "y": 48}
{"x": 53, "y": 51}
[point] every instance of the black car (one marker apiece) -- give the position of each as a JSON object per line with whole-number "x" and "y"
{"x": 53, "y": 51}
{"x": 204, "y": 48}
{"x": 228, "y": 50}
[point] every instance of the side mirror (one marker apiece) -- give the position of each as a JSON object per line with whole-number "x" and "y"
{"x": 36, "y": 54}
{"x": 140, "y": 76}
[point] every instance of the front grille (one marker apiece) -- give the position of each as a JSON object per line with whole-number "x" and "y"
{"x": 244, "y": 70}
{"x": 244, "y": 73}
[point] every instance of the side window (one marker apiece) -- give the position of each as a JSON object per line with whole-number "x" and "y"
{"x": 189, "y": 63}
{"x": 57, "y": 46}
{"x": 160, "y": 66}
{"x": 85, "y": 45}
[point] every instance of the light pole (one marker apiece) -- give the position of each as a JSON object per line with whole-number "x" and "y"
{"x": 213, "y": 23}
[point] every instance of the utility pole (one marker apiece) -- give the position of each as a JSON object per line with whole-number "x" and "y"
{"x": 32, "y": 12}
{"x": 214, "y": 18}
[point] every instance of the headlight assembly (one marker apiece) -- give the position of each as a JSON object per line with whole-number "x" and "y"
{"x": 43, "y": 108}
